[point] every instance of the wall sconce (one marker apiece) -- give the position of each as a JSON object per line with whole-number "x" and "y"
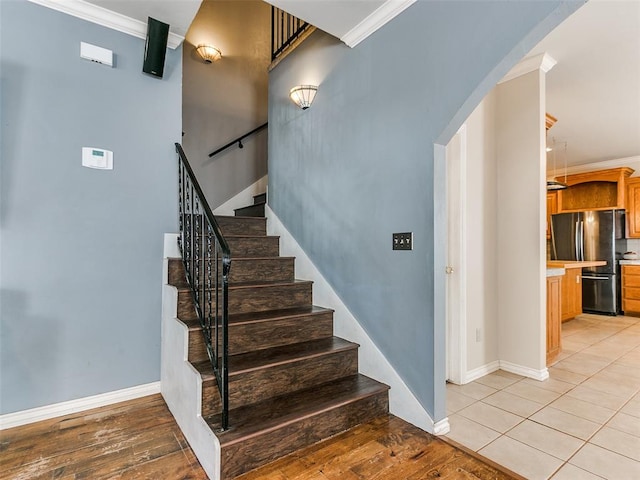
{"x": 303, "y": 95}
{"x": 208, "y": 53}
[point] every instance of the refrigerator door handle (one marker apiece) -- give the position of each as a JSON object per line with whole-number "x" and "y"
{"x": 582, "y": 241}
{"x": 577, "y": 241}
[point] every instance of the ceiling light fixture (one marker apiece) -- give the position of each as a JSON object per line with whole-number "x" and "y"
{"x": 303, "y": 95}
{"x": 554, "y": 184}
{"x": 209, "y": 53}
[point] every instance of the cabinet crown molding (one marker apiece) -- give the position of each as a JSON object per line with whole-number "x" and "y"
{"x": 608, "y": 175}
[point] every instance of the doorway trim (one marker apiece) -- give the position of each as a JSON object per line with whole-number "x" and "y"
{"x": 456, "y": 259}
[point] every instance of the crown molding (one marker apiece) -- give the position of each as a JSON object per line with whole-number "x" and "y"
{"x": 106, "y": 18}
{"x": 383, "y": 14}
{"x": 543, "y": 61}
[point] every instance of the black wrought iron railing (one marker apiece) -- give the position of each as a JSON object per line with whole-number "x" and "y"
{"x": 207, "y": 262}
{"x": 239, "y": 140}
{"x": 285, "y": 29}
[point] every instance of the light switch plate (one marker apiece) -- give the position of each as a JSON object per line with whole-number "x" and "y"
{"x": 403, "y": 241}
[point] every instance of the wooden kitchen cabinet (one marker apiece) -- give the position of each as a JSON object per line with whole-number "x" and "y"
{"x": 554, "y": 322}
{"x": 599, "y": 190}
{"x": 571, "y": 293}
{"x": 633, "y": 207}
{"x": 552, "y": 207}
{"x": 631, "y": 289}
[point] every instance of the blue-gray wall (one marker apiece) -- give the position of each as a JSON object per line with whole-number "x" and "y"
{"x": 81, "y": 249}
{"x": 359, "y": 164}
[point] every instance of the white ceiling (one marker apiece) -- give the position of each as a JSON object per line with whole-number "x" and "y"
{"x": 594, "y": 89}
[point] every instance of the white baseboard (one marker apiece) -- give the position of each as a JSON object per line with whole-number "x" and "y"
{"x": 481, "y": 371}
{"x": 539, "y": 375}
{"x": 442, "y": 427}
{"x": 46, "y": 412}
{"x": 242, "y": 199}
{"x": 491, "y": 367}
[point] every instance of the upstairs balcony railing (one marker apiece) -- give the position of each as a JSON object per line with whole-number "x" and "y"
{"x": 285, "y": 29}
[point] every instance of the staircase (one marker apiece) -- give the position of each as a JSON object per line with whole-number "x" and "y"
{"x": 255, "y": 210}
{"x": 291, "y": 382}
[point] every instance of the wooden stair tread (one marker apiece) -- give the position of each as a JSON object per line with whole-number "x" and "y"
{"x": 255, "y": 210}
{"x": 240, "y": 285}
{"x": 226, "y": 219}
{"x": 250, "y": 236}
{"x": 260, "y": 418}
{"x": 275, "y": 356}
{"x": 237, "y": 235}
{"x": 240, "y": 217}
{"x": 266, "y": 316}
{"x": 269, "y": 315}
{"x": 268, "y": 283}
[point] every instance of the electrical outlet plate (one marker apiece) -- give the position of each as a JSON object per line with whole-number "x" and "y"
{"x": 403, "y": 241}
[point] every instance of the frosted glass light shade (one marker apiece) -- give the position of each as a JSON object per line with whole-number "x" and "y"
{"x": 303, "y": 95}
{"x": 208, "y": 53}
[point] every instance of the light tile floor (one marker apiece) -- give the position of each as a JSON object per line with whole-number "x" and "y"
{"x": 581, "y": 423}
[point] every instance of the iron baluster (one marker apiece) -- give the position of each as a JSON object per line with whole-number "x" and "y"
{"x": 180, "y": 206}
{"x": 197, "y": 251}
{"x": 273, "y": 23}
{"x": 226, "y": 265}
{"x": 208, "y": 283}
{"x": 187, "y": 232}
{"x": 216, "y": 336}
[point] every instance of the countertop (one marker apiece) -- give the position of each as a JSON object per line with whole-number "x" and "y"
{"x": 555, "y": 272}
{"x": 574, "y": 264}
{"x": 629, "y": 262}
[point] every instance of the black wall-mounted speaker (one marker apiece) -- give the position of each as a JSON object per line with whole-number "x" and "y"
{"x": 155, "y": 48}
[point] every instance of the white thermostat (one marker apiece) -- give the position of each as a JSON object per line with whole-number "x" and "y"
{"x": 97, "y": 158}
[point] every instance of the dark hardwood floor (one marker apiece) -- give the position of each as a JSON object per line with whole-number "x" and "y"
{"x": 140, "y": 439}
{"x": 386, "y": 448}
{"x": 134, "y": 439}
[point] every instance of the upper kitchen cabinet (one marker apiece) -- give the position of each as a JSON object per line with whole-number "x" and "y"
{"x": 599, "y": 190}
{"x": 633, "y": 207}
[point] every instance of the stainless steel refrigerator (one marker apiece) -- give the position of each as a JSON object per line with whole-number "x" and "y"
{"x": 593, "y": 235}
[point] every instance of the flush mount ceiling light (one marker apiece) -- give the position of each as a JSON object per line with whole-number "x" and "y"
{"x": 208, "y": 53}
{"x": 303, "y": 95}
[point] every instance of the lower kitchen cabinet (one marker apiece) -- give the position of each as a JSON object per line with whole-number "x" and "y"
{"x": 571, "y": 293}
{"x": 554, "y": 323}
{"x": 633, "y": 208}
{"x": 631, "y": 289}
